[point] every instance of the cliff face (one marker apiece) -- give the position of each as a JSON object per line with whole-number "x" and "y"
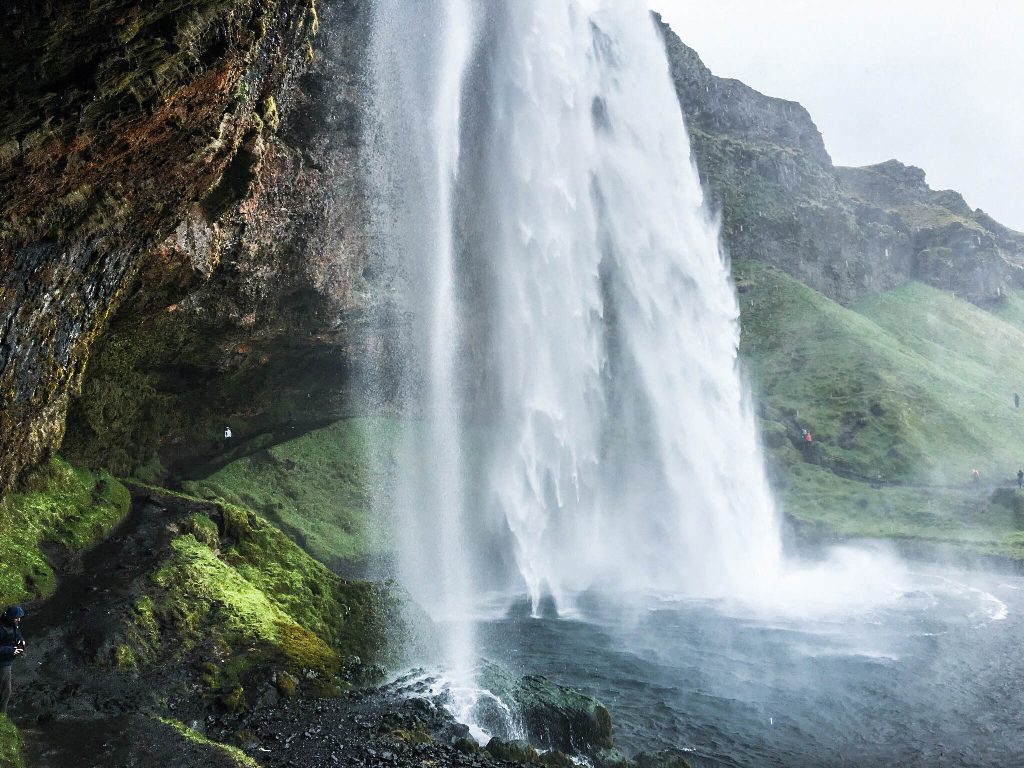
{"x": 140, "y": 168}
{"x": 846, "y": 232}
{"x": 263, "y": 339}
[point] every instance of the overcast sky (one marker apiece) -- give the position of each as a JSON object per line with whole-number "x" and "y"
{"x": 934, "y": 83}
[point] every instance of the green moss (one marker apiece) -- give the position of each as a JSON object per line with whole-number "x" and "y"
{"x": 268, "y": 112}
{"x": 124, "y": 658}
{"x": 314, "y": 19}
{"x": 201, "y": 594}
{"x": 70, "y": 506}
{"x": 10, "y": 744}
{"x": 203, "y": 529}
{"x": 420, "y": 735}
{"x": 121, "y": 413}
{"x": 236, "y": 756}
{"x": 317, "y": 487}
{"x": 287, "y": 685}
{"x": 250, "y": 601}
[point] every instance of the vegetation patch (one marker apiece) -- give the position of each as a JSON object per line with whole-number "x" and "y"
{"x": 60, "y": 503}
{"x": 245, "y": 604}
{"x": 318, "y": 487}
{"x": 234, "y": 756}
{"x": 10, "y": 744}
{"x": 909, "y": 386}
{"x": 905, "y": 393}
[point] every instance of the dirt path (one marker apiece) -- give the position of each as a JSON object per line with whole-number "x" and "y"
{"x": 72, "y": 708}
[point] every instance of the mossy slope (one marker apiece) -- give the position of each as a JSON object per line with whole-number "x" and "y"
{"x": 317, "y": 487}
{"x": 244, "y": 604}
{"x": 912, "y": 385}
{"x": 10, "y": 744}
{"x": 904, "y": 392}
{"x": 62, "y": 504}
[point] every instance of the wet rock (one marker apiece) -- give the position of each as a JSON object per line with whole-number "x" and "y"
{"x": 466, "y": 744}
{"x": 554, "y": 716}
{"x": 609, "y": 758}
{"x": 516, "y": 751}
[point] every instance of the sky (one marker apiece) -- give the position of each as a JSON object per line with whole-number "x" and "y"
{"x": 934, "y": 83}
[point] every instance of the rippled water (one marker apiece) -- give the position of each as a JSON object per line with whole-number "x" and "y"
{"x": 931, "y": 677}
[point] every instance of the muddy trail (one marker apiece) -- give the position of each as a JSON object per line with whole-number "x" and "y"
{"x": 72, "y": 707}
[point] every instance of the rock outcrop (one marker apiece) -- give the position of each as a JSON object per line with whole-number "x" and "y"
{"x": 181, "y": 177}
{"x": 846, "y": 232}
{"x": 245, "y": 315}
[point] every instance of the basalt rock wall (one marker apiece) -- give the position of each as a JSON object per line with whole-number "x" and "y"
{"x": 264, "y": 341}
{"x": 175, "y": 168}
{"x": 846, "y": 232}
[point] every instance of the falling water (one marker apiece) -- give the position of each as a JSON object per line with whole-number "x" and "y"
{"x": 571, "y": 347}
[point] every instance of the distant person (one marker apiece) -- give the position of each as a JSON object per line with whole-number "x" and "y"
{"x": 227, "y": 437}
{"x": 1020, "y": 478}
{"x": 1016, "y": 400}
{"x": 975, "y": 476}
{"x": 12, "y": 645}
{"x": 808, "y": 438}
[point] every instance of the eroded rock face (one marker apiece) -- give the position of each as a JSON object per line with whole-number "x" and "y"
{"x": 246, "y": 314}
{"x": 119, "y": 117}
{"x": 846, "y": 232}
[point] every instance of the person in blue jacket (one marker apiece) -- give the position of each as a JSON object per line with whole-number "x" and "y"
{"x": 12, "y": 645}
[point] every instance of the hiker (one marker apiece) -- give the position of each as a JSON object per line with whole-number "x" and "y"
{"x": 1020, "y": 478}
{"x": 975, "y": 476}
{"x": 227, "y": 437}
{"x": 807, "y": 437}
{"x": 12, "y": 645}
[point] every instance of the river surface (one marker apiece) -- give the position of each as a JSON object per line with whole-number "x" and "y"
{"x": 930, "y": 676}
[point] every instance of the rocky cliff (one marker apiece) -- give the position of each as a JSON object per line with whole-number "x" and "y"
{"x": 152, "y": 185}
{"x": 846, "y": 232}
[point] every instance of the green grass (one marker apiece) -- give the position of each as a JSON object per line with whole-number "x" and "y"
{"x": 233, "y": 755}
{"x": 63, "y": 504}
{"x": 317, "y": 487}
{"x": 1010, "y": 309}
{"x": 929, "y": 216}
{"x": 10, "y": 744}
{"x": 832, "y": 505}
{"x": 911, "y": 387}
{"x": 241, "y": 600}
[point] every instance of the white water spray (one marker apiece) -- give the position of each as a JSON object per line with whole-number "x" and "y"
{"x": 572, "y": 353}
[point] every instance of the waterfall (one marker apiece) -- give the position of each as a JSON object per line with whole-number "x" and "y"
{"x": 568, "y": 325}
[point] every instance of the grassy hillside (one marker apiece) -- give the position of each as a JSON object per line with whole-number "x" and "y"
{"x": 317, "y": 487}
{"x": 62, "y": 504}
{"x": 905, "y": 393}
